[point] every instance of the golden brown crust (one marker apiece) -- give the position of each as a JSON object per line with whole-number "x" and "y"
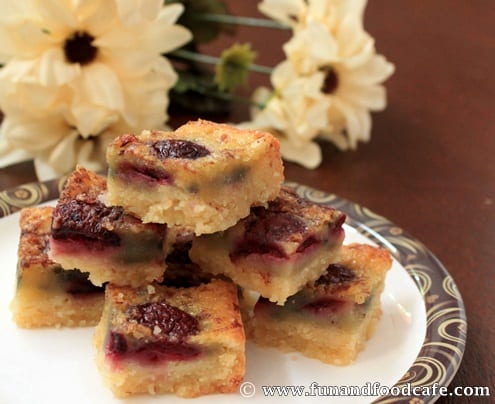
{"x": 229, "y": 147}
{"x": 83, "y": 184}
{"x": 215, "y": 304}
{"x": 33, "y": 244}
{"x": 36, "y": 219}
{"x": 287, "y": 222}
{"x": 314, "y": 215}
{"x": 231, "y": 142}
{"x": 225, "y": 142}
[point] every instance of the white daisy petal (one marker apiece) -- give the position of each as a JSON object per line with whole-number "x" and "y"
{"x": 101, "y": 86}
{"x": 152, "y": 9}
{"x": 356, "y": 46}
{"x": 89, "y": 155}
{"x": 337, "y": 138}
{"x": 375, "y": 71}
{"x": 272, "y": 116}
{"x": 164, "y": 38}
{"x": 170, "y": 14}
{"x": 95, "y": 16}
{"x": 14, "y": 10}
{"x": 62, "y": 156}
{"x": 372, "y": 97}
{"x": 90, "y": 120}
{"x": 10, "y": 154}
{"x": 282, "y": 74}
{"x": 45, "y": 171}
{"x": 131, "y": 12}
{"x": 311, "y": 48}
{"x": 18, "y": 71}
{"x": 32, "y": 135}
{"x": 128, "y": 65}
{"x": 23, "y": 40}
{"x": 284, "y": 11}
{"x": 358, "y": 123}
{"x": 308, "y": 154}
{"x": 57, "y": 15}
{"x": 53, "y": 70}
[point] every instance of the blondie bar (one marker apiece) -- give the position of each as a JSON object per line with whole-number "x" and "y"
{"x": 108, "y": 243}
{"x": 157, "y": 339}
{"x": 204, "y": 176}
{"x": 332, "y": 318}
{"x": 47, "y": 295}
{"x": 275, "y": 250}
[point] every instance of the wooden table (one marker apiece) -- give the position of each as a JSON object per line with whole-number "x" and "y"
{"x": 430, "y": 165}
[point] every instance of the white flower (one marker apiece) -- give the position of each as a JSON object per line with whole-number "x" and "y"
{"x": 353, "y": 76}
{"x": 295, "y": 112}
{"x": 330, "y": 49}
{"x": 56, "y": 145}
{"x": 315, "y": 46}
{"x": 91, "y": 65}
{"x": 298, "y": 13}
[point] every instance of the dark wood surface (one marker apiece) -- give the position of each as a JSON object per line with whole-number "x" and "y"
{"x": 430, "y": 165}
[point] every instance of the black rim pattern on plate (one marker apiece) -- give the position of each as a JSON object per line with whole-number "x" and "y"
{"x": 443, "y": 347}
{"x": 14, "y": 199}
{"x": 446, "y": 324}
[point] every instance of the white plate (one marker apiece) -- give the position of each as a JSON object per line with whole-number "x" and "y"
{"x": 57, "y": 366}
{"x": 419, "y": 339}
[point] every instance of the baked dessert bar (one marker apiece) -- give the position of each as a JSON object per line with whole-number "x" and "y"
{"x": 204, "y": 176}
{"x": 157, "y": 339}
{"x": 109, "y": 244}
{"x": 275, "y": 250}
{"x": 46, "y": 295}
{"x": 332, "y": 318}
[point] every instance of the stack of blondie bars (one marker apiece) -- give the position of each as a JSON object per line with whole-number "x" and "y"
{"x": 189, "y": 244}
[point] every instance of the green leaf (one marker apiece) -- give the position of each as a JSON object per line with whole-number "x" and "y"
{"x": 232, "y": 71}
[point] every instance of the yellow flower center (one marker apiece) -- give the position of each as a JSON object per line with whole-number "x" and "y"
{"x": 78, "y": 48}
{"x": 331, "y": 81}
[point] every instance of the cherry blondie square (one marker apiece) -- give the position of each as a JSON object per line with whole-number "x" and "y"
{"x": 204, "y": 176}
{"x": 275, "y": 250}
{"x": 47, "y": 295}
{"x": 158, "y": 339}
{"x": 331, "y": 318}
{"x": 108, "y": 243}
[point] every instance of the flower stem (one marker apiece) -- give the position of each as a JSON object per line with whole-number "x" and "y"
{"x": 229, "y": 97}
{"x": 213, "y": 60}
{"x": 238, "y": 20}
